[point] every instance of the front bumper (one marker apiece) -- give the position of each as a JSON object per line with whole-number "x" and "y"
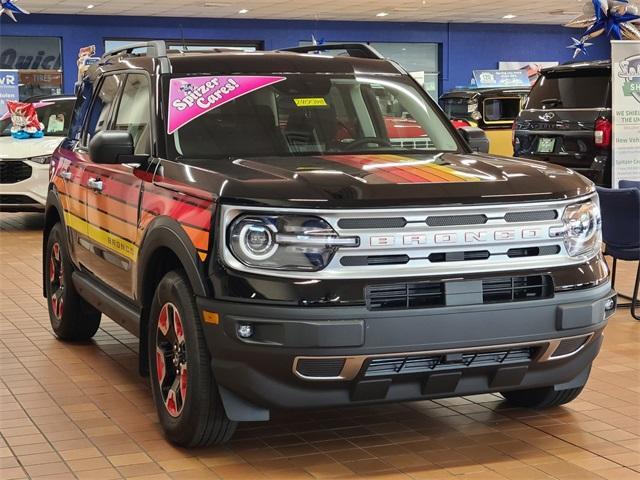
{"x": 326, "y": 356}
{"x": 29, "y": 194}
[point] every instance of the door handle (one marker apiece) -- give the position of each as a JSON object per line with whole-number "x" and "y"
{"x": 95, "y": 184}
{"x": 66, "y": 175}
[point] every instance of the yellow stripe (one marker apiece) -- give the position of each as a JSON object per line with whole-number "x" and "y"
{"x": 106, "y": 239}
{"x": 461, "y": 175}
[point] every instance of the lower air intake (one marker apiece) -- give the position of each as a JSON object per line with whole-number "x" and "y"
{"x": 389, "y": 366}
{"x": 516, "y": 289}
{"x": 320, "y": 367}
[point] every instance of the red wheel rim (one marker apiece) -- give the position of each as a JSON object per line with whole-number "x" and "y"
{"x": 171, "y": 359}
{"x": 56, "y": 281}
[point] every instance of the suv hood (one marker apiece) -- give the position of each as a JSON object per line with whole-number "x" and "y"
{"x": 31, "y": 147}
{"x": 380, "y": 180}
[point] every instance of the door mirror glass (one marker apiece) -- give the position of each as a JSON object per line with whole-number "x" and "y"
{"x": 476, "y": 138}
{"x": 111, "y": 146}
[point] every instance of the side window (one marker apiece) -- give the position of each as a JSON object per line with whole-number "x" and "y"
{"x": 501, "y": 109}
{"x": 133, "y": 112}
{"x": 102, "y": 105}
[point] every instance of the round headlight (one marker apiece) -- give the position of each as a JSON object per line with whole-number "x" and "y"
{"x": 285, "y": 242}
{"x": 253, "y": 239}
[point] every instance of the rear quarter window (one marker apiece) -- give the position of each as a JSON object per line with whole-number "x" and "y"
{"x": 501, "y": 109}
{"x": 590, "y": 89}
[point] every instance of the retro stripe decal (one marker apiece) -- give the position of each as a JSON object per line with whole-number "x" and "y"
{"x": 400, "y": 169}
{"x": 102, "y": 237}
{"x": 115, "y": 210}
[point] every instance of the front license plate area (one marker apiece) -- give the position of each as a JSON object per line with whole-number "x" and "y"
{"x": 546, "y": 145}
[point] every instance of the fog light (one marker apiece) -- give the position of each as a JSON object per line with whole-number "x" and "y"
{"x": 245, "y": 330}
{"x": 610, "y": 304}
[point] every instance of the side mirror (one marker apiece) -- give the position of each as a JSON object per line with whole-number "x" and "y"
{"x": 111, "y": 146}
{"x": 476, "y": 138}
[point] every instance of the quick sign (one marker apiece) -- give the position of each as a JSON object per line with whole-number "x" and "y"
{"x": 191, "y": 97}
{"x": 501, "y": 78}
{"x": 30, "y": 53}
{"x": 9, "y": 88}
{"x": 625, "y": 83}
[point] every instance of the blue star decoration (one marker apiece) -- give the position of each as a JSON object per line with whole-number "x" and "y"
{"x": 610, "y": 21}
{"x": 579, "y": 46}
{"x": 9, "y": 8}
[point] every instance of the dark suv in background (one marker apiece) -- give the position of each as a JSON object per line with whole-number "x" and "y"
{"x": 567, "y": 120}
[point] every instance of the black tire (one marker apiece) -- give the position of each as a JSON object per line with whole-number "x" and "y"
{"x": 541, "y": 398}
{"x": 176, "y": 342}
{"x": 72, "y": 318}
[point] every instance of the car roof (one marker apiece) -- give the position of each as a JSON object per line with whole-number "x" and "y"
{"x": 486, "y": 92}
{"x": 597, "y": 65}
{"x": 226, "y": 62}
{"x": 277, "y": 62}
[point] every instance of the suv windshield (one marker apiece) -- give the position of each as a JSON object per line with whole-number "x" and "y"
{"x": 307, "y": 114}
{"x": 459, "y": 107}
{"x": 579, "y": 89}
{"x": 54, "y": 114}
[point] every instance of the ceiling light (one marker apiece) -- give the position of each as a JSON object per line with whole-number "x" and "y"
{"x": 509, "y": 16}
{"x": 91, "y": 5}
{"x": 382, "y": 14}
{"x": 243, "y": 11}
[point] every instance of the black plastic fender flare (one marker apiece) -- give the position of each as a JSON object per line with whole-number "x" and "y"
{"x": 168, "y": 233}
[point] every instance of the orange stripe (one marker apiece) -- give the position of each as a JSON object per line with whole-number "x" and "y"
{"x": 76, "y": 208}
{"x": 437, "y": 174}
{"x": 199, "y": 238}
{"x": 357, "y": 162}
{"x": 418, "y": 175}
{"x": 425, "y": 171}
{"x": 118, "y": 209}
{"x": 450, "y": 171}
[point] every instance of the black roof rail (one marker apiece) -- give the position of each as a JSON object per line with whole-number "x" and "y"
{"x": 358, "y": 50}
{"x": 154, "y": 48}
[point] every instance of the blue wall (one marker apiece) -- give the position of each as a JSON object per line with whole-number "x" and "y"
{"x": 465, "y": 47}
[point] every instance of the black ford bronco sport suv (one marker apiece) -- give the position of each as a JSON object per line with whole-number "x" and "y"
{"x": 567, "y": 120}
{"x": 292, "y": 230}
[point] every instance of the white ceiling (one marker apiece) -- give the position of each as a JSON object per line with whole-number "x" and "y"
{"x": 467, "y": 11}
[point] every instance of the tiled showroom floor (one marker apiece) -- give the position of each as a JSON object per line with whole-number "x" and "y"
{"x": 81, "y": 411}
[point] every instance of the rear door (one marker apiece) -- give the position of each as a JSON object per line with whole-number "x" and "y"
{"x": 113, "y": 191}
{"x": 558, "y": 124}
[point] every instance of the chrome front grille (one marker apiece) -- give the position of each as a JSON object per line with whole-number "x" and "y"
{"x": 439, "y": 241}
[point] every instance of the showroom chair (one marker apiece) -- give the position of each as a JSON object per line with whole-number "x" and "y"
{"x": 629, "y": 184}
{"x": 621, "y": 233}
